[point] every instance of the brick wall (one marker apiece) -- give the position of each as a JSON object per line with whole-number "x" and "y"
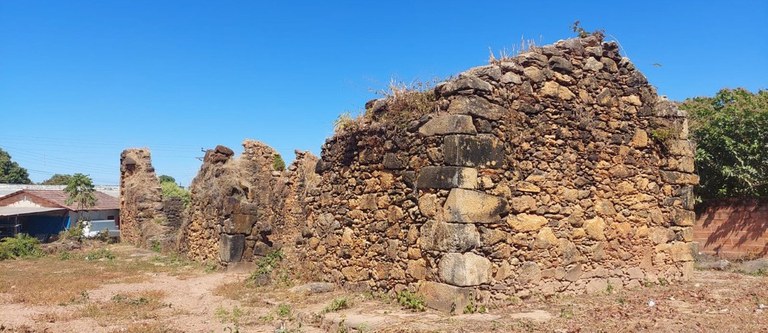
{"x": 733, "y": 228}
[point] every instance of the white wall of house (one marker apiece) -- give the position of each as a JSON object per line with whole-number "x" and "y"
{"x": 24, "y": 203}
{"x": 94, "y": 215}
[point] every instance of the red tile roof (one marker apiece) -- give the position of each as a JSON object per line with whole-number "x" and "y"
{"x": 59, "y": 198}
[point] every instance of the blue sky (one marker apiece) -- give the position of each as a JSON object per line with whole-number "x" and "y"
{"x": 82, "y": 80}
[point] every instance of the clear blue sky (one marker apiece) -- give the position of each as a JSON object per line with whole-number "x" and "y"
{"x": 82, "y": 80}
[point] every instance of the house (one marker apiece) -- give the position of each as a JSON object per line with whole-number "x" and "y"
{"x": 43, "y": 213}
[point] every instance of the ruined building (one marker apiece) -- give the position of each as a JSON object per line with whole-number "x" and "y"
{"x": 558, "y": 170}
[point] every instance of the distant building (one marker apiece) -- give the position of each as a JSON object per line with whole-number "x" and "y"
{"x": 43, "y": 213}
{"x": 5, "y": 189}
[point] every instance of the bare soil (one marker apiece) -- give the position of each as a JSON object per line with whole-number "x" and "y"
{"x": 142, "y": 291}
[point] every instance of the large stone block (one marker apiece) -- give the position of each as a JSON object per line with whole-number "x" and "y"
{"x": 444, "y": 297}
{"x": 448, "y": 124}
{"x": 680, "y": 147}
{"x": 231, "y": 247}
{"x": 469, "y": 206}
{"x": 448, "y": 237}
{"x": 464, "y": 84}
{"x": 242, "y": 220}
{"x": 468, "y": 150}
{"x": 476, "y": 106}
{"x": 446, "y": 177}
{"x": 679, "y": 178}
{"x": 464, "y": 270}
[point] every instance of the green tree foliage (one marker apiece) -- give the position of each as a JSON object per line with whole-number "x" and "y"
{"x": 172, "y": 190}
{"x": 11, "y": 172}
{"x": 278, "y": 163}
{"x": 80, "y": 190}
{"x": 731, "y": 133}
{"x": 166, "y": 178}
{"x": 57, "y": 179}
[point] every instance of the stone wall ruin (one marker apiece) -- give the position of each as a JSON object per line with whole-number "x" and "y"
{"x": 243, "y": 208}
{"x": 145, "y": 218}
{"x": 558, "y": 170}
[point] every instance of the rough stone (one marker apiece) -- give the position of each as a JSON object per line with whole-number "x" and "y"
{"x": 525, "y": 222}
{"x": 681, "y": 251}
{"x": 522, "y": 204}
{"x": 448, "y": 237}
{"x": 529, "y": 273}
{"x": 595, "y": 228}
{"x": 354, "y": 273}
{"x": 640, "y": 139}
{"x": 553, "y": 89}
{"x": 545, "y": 238}
{"x": 472, "y": 151}
{"x": 465, "y": 83}
{"x": 447, "y": 177}
{"x": 684, "y": 217}
{"x": 417, "y": 269}
{"x": 593, "y": 64}
{"x": 445, "y": 123}
{"x": 476, "y": 106}
{"x": 444, "y": 297}
{"x": 231, "y": 248}
{"x": 560, "y": 64}
{"x": 467, "y": 206}
{"x": 464, "y": 270}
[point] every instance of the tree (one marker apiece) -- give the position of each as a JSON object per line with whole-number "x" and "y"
{"x": 57, "y": 179}
{"x": 166, "y": 178}
{"x": 731, "y": 133}
{"x": 173, "y": 190}
{"x": 11, "y": 172}
{"x": 80, "y": 190}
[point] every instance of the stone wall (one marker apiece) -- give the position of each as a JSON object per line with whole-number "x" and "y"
{"x": 733, "y": 228}
{"x": 238, "y": 204}
{"x": 142, "y": 220}
{"x": 558, "y": 170}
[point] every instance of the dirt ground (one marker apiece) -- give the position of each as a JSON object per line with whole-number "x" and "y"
{"x": 118, "y": 288}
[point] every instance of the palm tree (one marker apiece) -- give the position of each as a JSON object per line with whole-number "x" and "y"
{"x": 80, "y": 190}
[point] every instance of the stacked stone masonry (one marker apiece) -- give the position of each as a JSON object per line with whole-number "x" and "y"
{"x": 143, "y": 218}
{"x": 244, "y": 208}
{"x": 559, "y": 170}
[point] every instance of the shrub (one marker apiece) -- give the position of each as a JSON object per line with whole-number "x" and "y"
{"x": 411, "y": 301}
{"x": 278, "y": 163}
{"x": 265, "y": 266}
{"x": 173, "y": 190}
{"x": 21, "y": 246}
{"x": 337, "y": 304}
{"x": 406, "y": 102}
{"x": 344, "y": 122}
{"x": 74, "y": 232}
{"x": 284, "y": 310}
{"x": 100, "y": 254}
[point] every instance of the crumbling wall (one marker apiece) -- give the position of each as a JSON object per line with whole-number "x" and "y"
{"x": 558, "y": 170}
{"x": 237, "y": 204}
{"x": 142, "y": 219}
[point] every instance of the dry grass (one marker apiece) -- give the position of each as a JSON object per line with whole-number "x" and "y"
{"x": 151, "y": 327}
{"x": 53, "y": 281}
{"x": 139, "y": 306}
{"x": 525, "y": 45}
